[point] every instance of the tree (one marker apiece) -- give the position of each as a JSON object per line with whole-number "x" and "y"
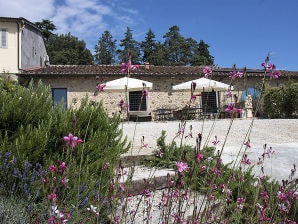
{"x": 129, "y": 45}
{"x": 46, "y": 26}
{"x": 66, "y": 49}
{"x": 202, "y": 55}
{"x": 105, "y": 50}
{"x": 173, "y": 45}
{"x": 153, "y": 51}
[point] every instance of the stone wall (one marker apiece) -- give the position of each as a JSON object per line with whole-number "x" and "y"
{"x": 161, "y": 96}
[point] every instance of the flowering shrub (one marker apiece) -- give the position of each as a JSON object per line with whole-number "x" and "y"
{"x": 81, "y": 179}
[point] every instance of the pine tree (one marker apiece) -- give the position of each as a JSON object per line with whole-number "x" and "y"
{"x": 129, "y": 45}
{"x": 105, "y": 50}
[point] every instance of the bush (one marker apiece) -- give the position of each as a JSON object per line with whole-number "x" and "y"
{"x": 281, "y": 102}
{"x": 32, "y": 131}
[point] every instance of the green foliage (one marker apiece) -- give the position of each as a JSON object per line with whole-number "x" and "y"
{"x": 32, "y": 129}
{"x": 281, "y": 102}
{"x": 46, "y": 27}
{"x": 105, "y": 50}
{"x": 12, "y": 210}
{"x": 66, "y": 49}
{"x": 129, "y": 44}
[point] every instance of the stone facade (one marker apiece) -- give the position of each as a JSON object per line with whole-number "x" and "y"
{"x": 161, "y": 96}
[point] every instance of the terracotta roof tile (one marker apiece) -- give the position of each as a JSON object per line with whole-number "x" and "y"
{"x": 143, "y": 70}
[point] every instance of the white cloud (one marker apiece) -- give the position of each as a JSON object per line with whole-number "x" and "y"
{"x": 32, "y": 10}
{"x": 85, "y": 19}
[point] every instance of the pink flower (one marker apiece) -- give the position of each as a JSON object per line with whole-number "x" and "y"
{"x": 264, "y": 195}
{"x": 235, "y": 74}
{"x": 62, "y": 166}
{"x": 229, "y": 94}
{"x": 127, "y": 67}
{"x": 181, "y": 166}
{"x": 52, "y": 197}
{"x": 100, "y": 87}
{"x": 72, "y": 141}
{"x": 240, "y": 200}
{"x": 64, "y": 181}
{"x": 207, "y": 71}
{"x": 215, "y": 141}
{"x": 199, "y": 157}
{"x": 146, "y": 93}
{"x": 274, "y": 74}
{"x": 247, "y": 144}
{"x": 232, "y": 109}
{"x": 52, "y": 168}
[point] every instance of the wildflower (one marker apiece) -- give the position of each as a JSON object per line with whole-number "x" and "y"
{"x": 159, "y": 153}
{"x": 181, "y": 166}
{"x": 215, "y": 141}
{"x": 146, "y": 92}
{"x": 64, "y": 181}
{"x": 211, "y": 197}
{"x": 235, "y": 74}
{"x": 123, "y": 106}
{"x": 52, "y": 168}
{"x": 143, "y": 145}
{"x": 281, "y": 196}
{"x": 62, "y": 166}
{"x": 245, "y": 160}
{"x": 207, "y": 71}
{"x": 146, "y": 193}
{"x": 247, "y": 143}
{"x": 231, "y": 108}
{"x": 274, "y": 74}
{"x": 72, "y": 141}
{"x": 127, "y": 67}
{"x": 199, "y": 157}
{"x": 52, "y": 197}
{"x": 229, "y": 94}
{"x": 100, "y": 87}
{"x": 264, "y": 195}
{"x": 93, "y": 209}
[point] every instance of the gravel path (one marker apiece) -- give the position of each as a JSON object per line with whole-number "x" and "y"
{"x": 280, "y": 134}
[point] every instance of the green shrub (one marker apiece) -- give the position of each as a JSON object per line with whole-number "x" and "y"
{"x": 281, "y": 102}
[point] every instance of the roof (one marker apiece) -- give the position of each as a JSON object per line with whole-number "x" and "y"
{"x": 143, "y": 70}
{"x": 19, "y": 20}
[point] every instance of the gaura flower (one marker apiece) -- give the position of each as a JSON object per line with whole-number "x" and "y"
{"x": 100, "y": 87}
{"x": 181, "y": 166}
{"x": 72, "y": 141}
{"x": 52, "y": 168}
{"x": 199, "y": 157}
{"x": 235, "y": 74}
{"x": 127, "y": 67}
{"x": 215, "y": 141}
{"x": 232, "y": 109}
{"x": 207, "y": 71}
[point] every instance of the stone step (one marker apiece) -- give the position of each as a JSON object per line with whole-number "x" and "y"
{"x": 145, "y": 178}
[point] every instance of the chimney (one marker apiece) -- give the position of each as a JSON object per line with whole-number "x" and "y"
{"x": 147, "y": 65}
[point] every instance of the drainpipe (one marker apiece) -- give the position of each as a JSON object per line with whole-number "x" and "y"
{"x": 18, "y": 45}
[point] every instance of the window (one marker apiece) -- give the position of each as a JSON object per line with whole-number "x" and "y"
{"x": 137, "y": 102}
{"x": 59, "y": 95}
{"x": 3, "y": 38}
{"x": 209, "y": 102}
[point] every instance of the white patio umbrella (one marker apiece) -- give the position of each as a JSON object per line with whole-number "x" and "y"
{"x": 129, "y": 83}
{"x": 203, "y": 85}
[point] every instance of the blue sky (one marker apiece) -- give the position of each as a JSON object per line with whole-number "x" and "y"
{"x": 240, "y": 32}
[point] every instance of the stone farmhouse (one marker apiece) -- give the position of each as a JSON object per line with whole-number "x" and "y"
{"x": 73, "y": 82}
{"x": 23, "y": 56}
{"x": 21, "y": 46}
